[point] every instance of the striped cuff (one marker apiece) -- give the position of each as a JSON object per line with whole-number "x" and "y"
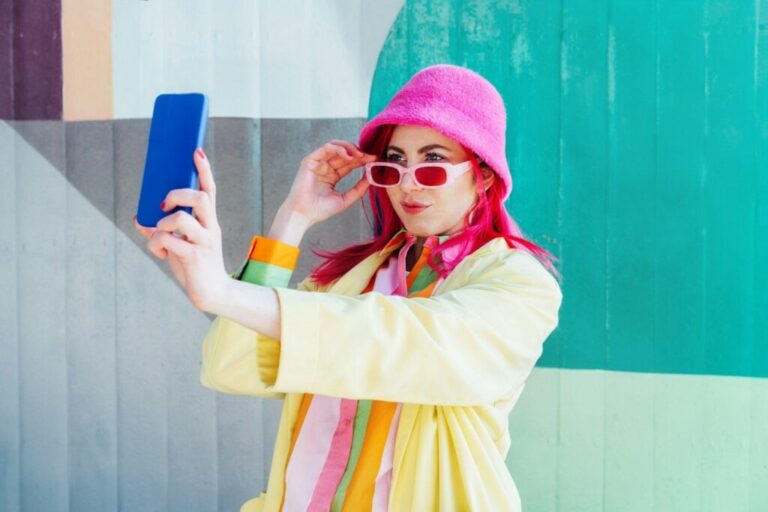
{"x": 270, "y": 262}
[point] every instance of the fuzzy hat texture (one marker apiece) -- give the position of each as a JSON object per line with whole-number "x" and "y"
{"x": 457, "y": 102}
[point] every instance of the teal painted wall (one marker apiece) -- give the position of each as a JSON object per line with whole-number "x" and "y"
{"x": 637, "y": 138}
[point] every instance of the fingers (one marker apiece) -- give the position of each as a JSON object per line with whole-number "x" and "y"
{"x": 353, "y": 153}
{"x": 183, "y": 223}
{"x": 355, "y": 193}
{"x": 338, "y": 151}
{"x": 199, "y": 200}
{"x": 163, "y": 243}
{"x": 351, "y": 148}
{"x": 354, "y": 164}
{"x": 145, "y": 231}
{"x": 337, "y": 158}
{"x": 205, "y": 175}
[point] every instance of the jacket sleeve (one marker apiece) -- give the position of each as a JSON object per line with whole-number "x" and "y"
{"x": 471, "y": 345}
{"x": 236, "y": 359}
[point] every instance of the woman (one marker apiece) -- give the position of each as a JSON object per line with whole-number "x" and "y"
{"x": 399, "y": 358}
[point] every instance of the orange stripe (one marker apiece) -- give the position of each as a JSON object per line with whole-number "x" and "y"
{"x": 360, "y": 491}
{"x": 303, "y": 408}
{"x": 306, "y": 400}
{"x": 274, "y": 252}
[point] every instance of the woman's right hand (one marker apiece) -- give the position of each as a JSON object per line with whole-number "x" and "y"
{"x": 313, "y": 194}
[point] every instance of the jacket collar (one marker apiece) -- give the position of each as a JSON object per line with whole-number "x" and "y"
{"x": 403, "y": 235}
{"x": 353, "y": 282}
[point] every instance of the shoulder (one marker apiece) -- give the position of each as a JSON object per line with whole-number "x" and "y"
{"x": 496, "y": 261}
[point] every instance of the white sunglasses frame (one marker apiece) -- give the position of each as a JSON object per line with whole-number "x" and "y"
{"x": 452, "y": 172}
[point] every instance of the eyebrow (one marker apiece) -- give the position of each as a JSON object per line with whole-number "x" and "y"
{"x": 423, "y": 150}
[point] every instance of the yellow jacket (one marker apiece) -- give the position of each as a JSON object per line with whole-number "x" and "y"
{"x": 457, "y": 360}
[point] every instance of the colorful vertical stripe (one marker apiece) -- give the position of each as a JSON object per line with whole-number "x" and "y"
{"x": 86, "y": 27}
{"x": 342, "y": 454}
{"x": 270, "y": 262}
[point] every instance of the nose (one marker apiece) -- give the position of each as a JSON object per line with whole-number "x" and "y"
{"x": 407, "y": 183}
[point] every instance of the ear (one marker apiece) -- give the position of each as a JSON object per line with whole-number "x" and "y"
{"x": 488, "y": 177}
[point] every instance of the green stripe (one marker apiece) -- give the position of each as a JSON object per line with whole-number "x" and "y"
{"x": 358, "y": 434}
{"x": 238, "y": 274}
{"x": 423, "y": 279}
{"x": 266, "y": 274}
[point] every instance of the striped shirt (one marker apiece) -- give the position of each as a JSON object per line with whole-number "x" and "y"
{"x": 341, "y": 451}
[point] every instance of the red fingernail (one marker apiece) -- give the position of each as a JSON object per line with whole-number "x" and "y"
{"x": 162, "y": 205}
{"x": 200, "y": 153}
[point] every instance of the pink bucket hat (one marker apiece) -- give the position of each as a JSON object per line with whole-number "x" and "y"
{"x": 457, "y": 102}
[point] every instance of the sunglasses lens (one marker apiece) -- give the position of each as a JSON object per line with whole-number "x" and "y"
{"x": 431, "y": 176}
{"x": 385, "y": 176}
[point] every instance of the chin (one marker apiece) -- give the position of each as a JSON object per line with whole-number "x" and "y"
{"x": 421, "y": 229}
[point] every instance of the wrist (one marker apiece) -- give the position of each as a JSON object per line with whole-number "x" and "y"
{"x": 220, "y": 298}
{"x": 289, "y": 226}
{"x": 251, "y": 305}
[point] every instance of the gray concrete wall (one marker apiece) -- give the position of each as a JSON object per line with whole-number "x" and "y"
{"x": 100, "y": 402}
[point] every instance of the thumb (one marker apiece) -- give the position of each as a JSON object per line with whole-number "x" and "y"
{"x": 356, "y": 192}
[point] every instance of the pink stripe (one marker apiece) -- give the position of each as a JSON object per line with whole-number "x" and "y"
{"x": 336, "y": 462}
{"x": 384, "y": 477}
{"x": 386, "y": 277}
{"x": 310, "y": 452}
{"x": 402, "y": 286}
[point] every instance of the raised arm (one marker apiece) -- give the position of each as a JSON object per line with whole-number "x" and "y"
{"x": 471, "y": 345}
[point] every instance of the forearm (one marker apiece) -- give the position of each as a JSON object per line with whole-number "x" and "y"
{"x": 289, "y": 226}
{"x": 252, "y": 301}
{"x": 251, "y": 305}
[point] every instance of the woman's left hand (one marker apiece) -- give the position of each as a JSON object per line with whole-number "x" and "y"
{"x": 195, "y": 257}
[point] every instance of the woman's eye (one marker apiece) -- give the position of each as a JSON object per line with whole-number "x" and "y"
{"x": 394, "y": 157}
{"x": 435, "y": 155}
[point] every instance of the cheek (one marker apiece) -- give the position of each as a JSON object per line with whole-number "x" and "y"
{"x": 459, "y": 197}
{"x": 394, "y": 198}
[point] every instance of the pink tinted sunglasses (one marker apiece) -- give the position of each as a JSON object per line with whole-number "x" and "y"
{"x": 427, "y": 174}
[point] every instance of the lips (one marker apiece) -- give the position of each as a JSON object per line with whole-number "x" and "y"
{"x": 413, "y": 207}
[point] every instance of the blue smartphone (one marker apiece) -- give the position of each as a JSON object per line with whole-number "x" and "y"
{"x": 177, "y": 129}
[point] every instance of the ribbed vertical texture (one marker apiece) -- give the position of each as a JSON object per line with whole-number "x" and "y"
{"x": 634, "y": 135}
{"x": 637, "y": 140}
{"x": 99, "y": 380}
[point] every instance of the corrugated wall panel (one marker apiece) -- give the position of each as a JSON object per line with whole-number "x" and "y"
{"x": 649, "y": 115}
{"x": 637, "y": 139}
{"x": 631, "y": 119}
{"x": 10, "y": 426}
{"x": 91, "y": 326}
{"x": 42, "y": 304}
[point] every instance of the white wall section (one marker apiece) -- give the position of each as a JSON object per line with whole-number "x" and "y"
{"x": 248, "y": 58}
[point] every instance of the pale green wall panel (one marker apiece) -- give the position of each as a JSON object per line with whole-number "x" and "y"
{"x": 758, "y": 445}
{"x": 628, "y": 455}
{"x": 580, "y": 442}
{"x": 586, "y": 440}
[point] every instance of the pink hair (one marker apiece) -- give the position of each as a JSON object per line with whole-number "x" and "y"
{"x": 489, "y": 220}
